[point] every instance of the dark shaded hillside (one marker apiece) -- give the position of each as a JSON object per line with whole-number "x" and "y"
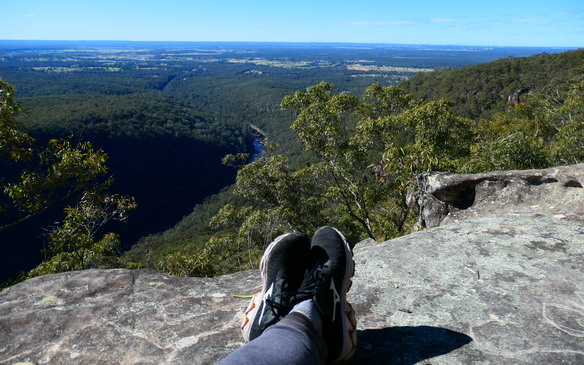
{"x": 162, "y": 151}
{"x": 167, "y": 176}
{"x": 479, "y": 91}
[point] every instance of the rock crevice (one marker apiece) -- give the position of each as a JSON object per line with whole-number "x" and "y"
{"x": 444, "y": 197}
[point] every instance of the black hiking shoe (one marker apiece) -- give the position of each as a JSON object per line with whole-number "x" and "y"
{"x": 282, "y": 269}
{"x": 327, "y": 283}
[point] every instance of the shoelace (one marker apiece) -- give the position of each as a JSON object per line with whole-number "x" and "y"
{"x": 313, "y": 279}
{"x": 280, "y": 303}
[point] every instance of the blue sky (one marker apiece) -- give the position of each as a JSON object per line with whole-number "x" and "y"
{"x": 557, "y": 23}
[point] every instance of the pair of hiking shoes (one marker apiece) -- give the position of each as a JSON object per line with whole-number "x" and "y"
{"x": 294, "y": 269}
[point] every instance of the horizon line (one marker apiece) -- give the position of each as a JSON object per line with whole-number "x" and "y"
{"x": 286, "y": 42}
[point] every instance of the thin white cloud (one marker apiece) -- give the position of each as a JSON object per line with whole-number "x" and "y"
{"x": 537, "y": 21}
{"x": 377, "y": 23}
{"x": 445, "y": 20}
{"x": 30, "y": 15}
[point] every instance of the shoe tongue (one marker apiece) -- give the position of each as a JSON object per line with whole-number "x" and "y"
{"x": 319, "y": 255}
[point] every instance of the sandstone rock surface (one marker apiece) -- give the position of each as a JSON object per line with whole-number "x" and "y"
{"x": 503, "y": 289}
{"x": 122, "y": 317}
{"x": 446, "y": 197}
{"x": 503, "y": 285}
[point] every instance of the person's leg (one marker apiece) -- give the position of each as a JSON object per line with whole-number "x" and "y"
{"x": 294, "y": 340}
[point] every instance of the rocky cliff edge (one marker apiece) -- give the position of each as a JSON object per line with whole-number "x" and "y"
{"x": 498, "y": 280}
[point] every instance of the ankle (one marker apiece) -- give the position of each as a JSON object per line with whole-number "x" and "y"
{"x": 310, "y": 311}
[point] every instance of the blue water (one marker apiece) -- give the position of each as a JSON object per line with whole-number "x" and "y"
{"x": 258, "y": 150}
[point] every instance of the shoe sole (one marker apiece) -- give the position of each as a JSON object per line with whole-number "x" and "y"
{"x": 250, "y": 313}
{"x": 349, "y": 322}
{"x": 256, "y": 302}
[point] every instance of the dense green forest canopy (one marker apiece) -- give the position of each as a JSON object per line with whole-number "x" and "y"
{"x": 138, "y": 115}
{"x": 365, "y": 153}
{"x": 481, "y": 90}
{"x": 166, "y": 113}
{"x": 240, "y": 82}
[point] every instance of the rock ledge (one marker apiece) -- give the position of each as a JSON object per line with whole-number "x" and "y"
{"x": 499, "y": 281}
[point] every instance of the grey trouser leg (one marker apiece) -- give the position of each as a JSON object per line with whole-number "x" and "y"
{"x": 291, "y": 341}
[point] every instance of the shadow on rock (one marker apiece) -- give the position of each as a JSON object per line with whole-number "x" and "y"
{"x": 405, "y": 345}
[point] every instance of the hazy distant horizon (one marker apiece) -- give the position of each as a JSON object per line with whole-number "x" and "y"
{"x": 500, "y": 23}
{"x": 274, "y": 43}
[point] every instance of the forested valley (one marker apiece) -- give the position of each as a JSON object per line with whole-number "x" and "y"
{"x": 345, "y": 130}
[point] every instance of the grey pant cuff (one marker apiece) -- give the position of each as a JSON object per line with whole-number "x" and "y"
{"x": 302, "y": 323}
